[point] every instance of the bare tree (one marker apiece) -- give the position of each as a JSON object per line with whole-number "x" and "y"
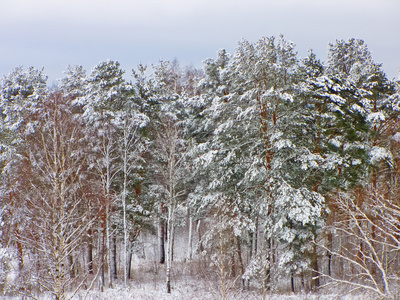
{"x": 368, "y": 255}
{"x": 171, "y": 173}
{"x": 106, "y": 168}
{"x": 56, "y": 200}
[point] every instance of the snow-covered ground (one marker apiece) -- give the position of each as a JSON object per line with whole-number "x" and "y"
{"x": 190, "y": 284}
{"x": 192, "y": 290}
{"x": 194, "y": 280}
{"x": 200, "y": 291}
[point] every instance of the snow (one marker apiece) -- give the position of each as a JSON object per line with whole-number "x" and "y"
{"x": 356, "y": 107}
{"x": 396, "y": 137}
{"x": 378, "y": 153}
{"x": 206, "y": 158}
{"x": 238, "y": 184}
{"x": 283, "y": 143}
{"x": 193, "y": 287}
{"x": 335, "y": 141}
{"x": 376, "y": 117}
{"x": 287, "y": 97}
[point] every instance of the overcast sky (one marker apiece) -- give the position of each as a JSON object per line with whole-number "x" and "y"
{"x": 56, "y": 33}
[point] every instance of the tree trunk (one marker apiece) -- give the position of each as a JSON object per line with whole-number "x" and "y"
{"x": 102, "y": 250}
{"x": 129, "y": 263}
{"x": 170, "y": 245}
{"x": 114, "y": 257}
{"x": 110, "y": 265}
{"x": 329, "y": 253}
{"x": 161, "y": 240}
{"x": 233, "y": 265}
{"x": 241, "y": 266}
{"x": 89, "y": 253}
{"x": 292, "y": 282}
{"x": 201, "y": 247}
{"x": 254, "y": 238}
{"x": 267, "y": 279}
{"x": 190, "y": 236}
{"x": 315, "y": 270}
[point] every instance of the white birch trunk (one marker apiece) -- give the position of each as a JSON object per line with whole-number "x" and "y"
{"x": 170, "y": 234}
{"x": 107, "y": 192}
{"x": 125, "y": 221}
{"x": 108, "y": 245}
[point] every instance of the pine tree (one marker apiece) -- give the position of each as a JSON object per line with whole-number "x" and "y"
{"x": 105, "y": 92}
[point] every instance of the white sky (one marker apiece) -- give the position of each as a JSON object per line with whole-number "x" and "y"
{"x": 56, "y": 33}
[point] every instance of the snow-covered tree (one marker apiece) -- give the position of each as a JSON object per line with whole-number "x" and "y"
{"x": 132, "y": 148}
{"x": 346, "y": 118}
{"x": 276, "y": 158}
{"x": 74, "y": 81}
{"x": 105, "y": 92}
{"x": 171, "y": 174}
{"x": 53, "y": 198}
{"x": 20, "y": 93}
{"x": 168, "y": 168}
{"x": 251, "y": 118}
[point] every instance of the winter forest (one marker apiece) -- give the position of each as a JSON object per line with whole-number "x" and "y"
{"x": 263, "y": 173}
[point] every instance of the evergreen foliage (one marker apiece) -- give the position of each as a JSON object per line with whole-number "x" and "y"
{"x": 275, "y": 158}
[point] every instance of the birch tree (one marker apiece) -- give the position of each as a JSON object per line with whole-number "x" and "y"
{"x": 20, "y": 93}
{"x": 171, "y": 173}
{"x": 56, "y": 201}
{"x": 369, "y": 260}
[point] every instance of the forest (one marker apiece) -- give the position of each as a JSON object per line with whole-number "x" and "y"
{"x": 269, "y": 172}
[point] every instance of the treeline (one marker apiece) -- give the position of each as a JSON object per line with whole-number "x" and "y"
{"x": 288, "y": 165}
